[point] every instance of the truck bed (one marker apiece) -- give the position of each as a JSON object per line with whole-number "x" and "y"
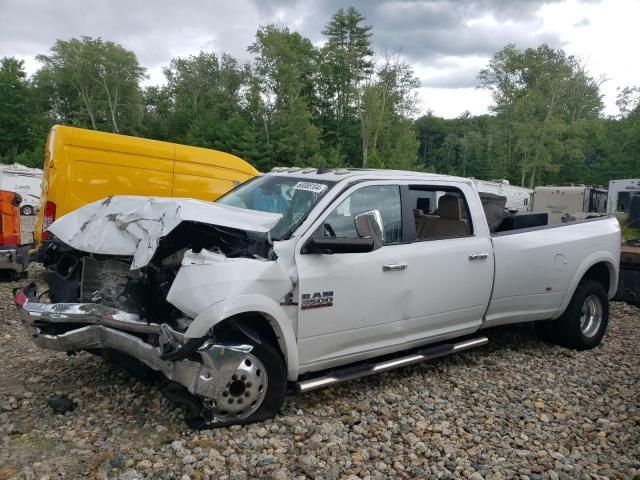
{"x": 537, "y": 268}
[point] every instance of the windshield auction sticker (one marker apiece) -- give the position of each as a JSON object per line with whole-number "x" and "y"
{"x": 310, "y": 187}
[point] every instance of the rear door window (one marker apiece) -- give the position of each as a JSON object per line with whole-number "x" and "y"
{"x": 439, "y": 212}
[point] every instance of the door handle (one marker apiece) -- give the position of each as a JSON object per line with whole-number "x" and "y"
{"x": 478, "y": 256}
{"x": 394, "y": 266}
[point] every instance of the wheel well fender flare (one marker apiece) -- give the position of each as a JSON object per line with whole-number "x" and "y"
{"x": 254, "y": 304}
{"x": 606, "y": 258}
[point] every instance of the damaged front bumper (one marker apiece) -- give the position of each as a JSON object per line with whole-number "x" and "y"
{"x": 72, "y": 327}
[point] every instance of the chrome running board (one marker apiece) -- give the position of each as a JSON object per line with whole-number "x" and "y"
{"x": 362, "y": 370}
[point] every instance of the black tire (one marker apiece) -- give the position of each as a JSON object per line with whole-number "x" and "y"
{"x": 27, "y": 210}
{"x": 277, "y": 372}
{"x": 573, "y": 329}
{"x": 273, "y": 362}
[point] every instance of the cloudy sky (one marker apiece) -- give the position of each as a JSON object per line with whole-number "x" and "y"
{"x": 446, "y": 41}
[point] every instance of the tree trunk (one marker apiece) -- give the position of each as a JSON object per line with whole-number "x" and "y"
{"x": 266, "y": 128}
{"x": 114, "y": 111}
{"x": 508, "y": 164}
{"x": 87, "y": 105}
{"x": 365, "y": 151}
{"x": 381, "y": 122}
{"x": 112, "y": 105}
{"x": 533, "y": 178}
{"x": 365, "y": 140}
{"x": 524, "y": 169}
{"x": 424, "y": 152}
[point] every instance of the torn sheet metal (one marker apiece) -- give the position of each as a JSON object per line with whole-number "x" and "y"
{"x": 132, "y": 225}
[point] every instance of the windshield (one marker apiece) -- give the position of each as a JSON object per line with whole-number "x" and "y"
{"x": 293, "y": 197}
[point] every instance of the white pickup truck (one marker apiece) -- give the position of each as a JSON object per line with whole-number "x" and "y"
{"x": 307, "y": 277}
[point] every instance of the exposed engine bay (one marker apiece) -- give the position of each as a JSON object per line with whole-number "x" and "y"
{"x": 77, "y": 276}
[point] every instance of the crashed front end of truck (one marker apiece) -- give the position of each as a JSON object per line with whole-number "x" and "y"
{"x": 132, "y": 281}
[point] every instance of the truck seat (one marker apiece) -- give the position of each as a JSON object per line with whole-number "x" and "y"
{"x": 425, "y": 224}
{"x": 449, "y": 222}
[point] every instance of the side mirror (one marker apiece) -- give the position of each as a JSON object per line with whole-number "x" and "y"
{"x": 369, "y": 225}
{"x": 370, "y": 232}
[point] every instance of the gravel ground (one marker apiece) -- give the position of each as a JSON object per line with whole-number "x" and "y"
{"x": 516, "y": 408}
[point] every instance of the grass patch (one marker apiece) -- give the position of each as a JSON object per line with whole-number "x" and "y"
{"x": 630, "y": 234}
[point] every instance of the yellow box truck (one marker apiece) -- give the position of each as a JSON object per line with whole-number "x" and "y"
{"x": 82, "y": 166}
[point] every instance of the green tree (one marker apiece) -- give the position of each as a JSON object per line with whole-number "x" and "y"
{"x": 541, "y": 95}
{"x": 16, "y": 113}
{"x": 628, "y": 101}
{"x": 387, "y": 100}
{"x": 158, "y": 112}
{"x": 204, "y": 90}
{"x": 284, "y": 66}
{"x": 93, "y": 81}
{"x": 346, "y": 63}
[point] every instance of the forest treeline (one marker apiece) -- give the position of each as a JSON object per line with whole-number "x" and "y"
{"x": 336, "y": 104}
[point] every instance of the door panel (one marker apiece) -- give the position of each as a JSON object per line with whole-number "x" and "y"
{"x": 354, "y": 318}
{"x": 451, "y": 262}
{"x": 449, "y": 291}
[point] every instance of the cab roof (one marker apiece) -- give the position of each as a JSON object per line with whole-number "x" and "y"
{"x": 339, "y": 174}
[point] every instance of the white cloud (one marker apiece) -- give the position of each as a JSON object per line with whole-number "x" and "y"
{"x": 605, "y": 36}
{"x": 451, "y": 103}
{"x": 447, "y": 41}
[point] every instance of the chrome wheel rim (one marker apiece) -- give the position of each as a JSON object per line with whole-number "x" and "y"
{"x": 244, "y": 392}
{"x": 591, "y": 316}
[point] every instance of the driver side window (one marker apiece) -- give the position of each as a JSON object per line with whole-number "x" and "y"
{"x": 385, "y": 198}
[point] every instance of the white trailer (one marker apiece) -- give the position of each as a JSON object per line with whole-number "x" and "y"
{"x": 620, "y": 193}
{"x": 565, "y": 203}
{"x": 25, "y": 181}
{"x": 518, "y": 198}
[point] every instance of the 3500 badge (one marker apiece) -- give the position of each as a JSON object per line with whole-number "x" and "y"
{"x": 317, "y": 300}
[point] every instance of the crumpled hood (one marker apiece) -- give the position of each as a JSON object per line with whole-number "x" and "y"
{"x": 132, "y": 225}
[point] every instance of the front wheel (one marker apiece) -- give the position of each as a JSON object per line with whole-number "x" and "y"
{"x": 584, "y": 322}
{"x": 254, "y": 389}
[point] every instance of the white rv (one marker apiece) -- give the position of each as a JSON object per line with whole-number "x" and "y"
{"x": 567, "y": 203}
{"x": 620, "y": 193}
{"x": 25, "y": 181}
{"x": 518, "y": 198}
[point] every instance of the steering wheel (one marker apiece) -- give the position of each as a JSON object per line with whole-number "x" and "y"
{"x": 329, "y": 229}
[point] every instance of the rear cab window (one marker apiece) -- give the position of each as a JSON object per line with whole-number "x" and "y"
{"x": 439, "y": 212}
